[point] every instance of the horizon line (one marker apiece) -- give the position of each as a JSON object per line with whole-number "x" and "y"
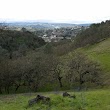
{"x": 6, "y": 20}
{"x": 50, "y": 21}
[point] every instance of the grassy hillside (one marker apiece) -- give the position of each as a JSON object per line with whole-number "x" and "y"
{"x": 95, "y": 42}
{"x": 100, "y": 52}
{"x": 91, "y": 100}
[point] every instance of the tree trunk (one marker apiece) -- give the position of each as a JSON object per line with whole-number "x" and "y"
{"x": 80, "y": 82}
{"x": 17, "y": 87}
{"x": 36, "y": 86}
{"x": 60, "y": 82}
{"x": 8, "y": 89}
{"x": 0, "y": 90}
{"x": 10, "y": 55}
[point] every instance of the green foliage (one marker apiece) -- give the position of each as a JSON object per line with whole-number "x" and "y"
{"x": 27, "y": 64}
{"x": 12, "y": 41}
{"x": 96, "y": 33}
{"x": 48, "y": 48}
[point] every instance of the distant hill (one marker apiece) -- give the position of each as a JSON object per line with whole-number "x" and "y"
{"x": 87, "y": 24}
{"x": 42, "y": 25}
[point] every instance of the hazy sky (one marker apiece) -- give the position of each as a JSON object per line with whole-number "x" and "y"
{"x": 76, "y": 11}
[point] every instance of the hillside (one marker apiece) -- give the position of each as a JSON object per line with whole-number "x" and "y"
{"x": 96, "y": 33}
{"x": 95, "y": 42}
{"x": 100, "y": 52}
{"x": 30, "y": 64}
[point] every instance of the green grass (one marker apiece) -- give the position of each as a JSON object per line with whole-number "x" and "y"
{"x": 89, "y": 100}
{"x": 100, "y": 52}
{"x": 103, "y": 59}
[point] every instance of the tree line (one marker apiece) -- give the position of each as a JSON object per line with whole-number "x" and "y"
{"x": 94, "y": 34}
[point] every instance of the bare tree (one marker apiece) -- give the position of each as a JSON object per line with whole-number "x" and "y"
{"x": 83, "y": 70}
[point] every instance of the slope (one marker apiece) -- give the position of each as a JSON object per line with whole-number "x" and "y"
{"x": 100, "y": 52}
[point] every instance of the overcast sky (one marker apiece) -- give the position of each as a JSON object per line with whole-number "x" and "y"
{"x": 76, "y": 11}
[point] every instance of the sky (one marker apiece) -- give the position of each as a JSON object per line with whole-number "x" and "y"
{"x": 70, "y": 11}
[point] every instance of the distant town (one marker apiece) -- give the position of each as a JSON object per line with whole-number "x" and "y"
{"x": 50, "y": 32}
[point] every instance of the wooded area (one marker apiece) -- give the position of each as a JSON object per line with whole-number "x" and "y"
{"x": 27, "y": 63}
